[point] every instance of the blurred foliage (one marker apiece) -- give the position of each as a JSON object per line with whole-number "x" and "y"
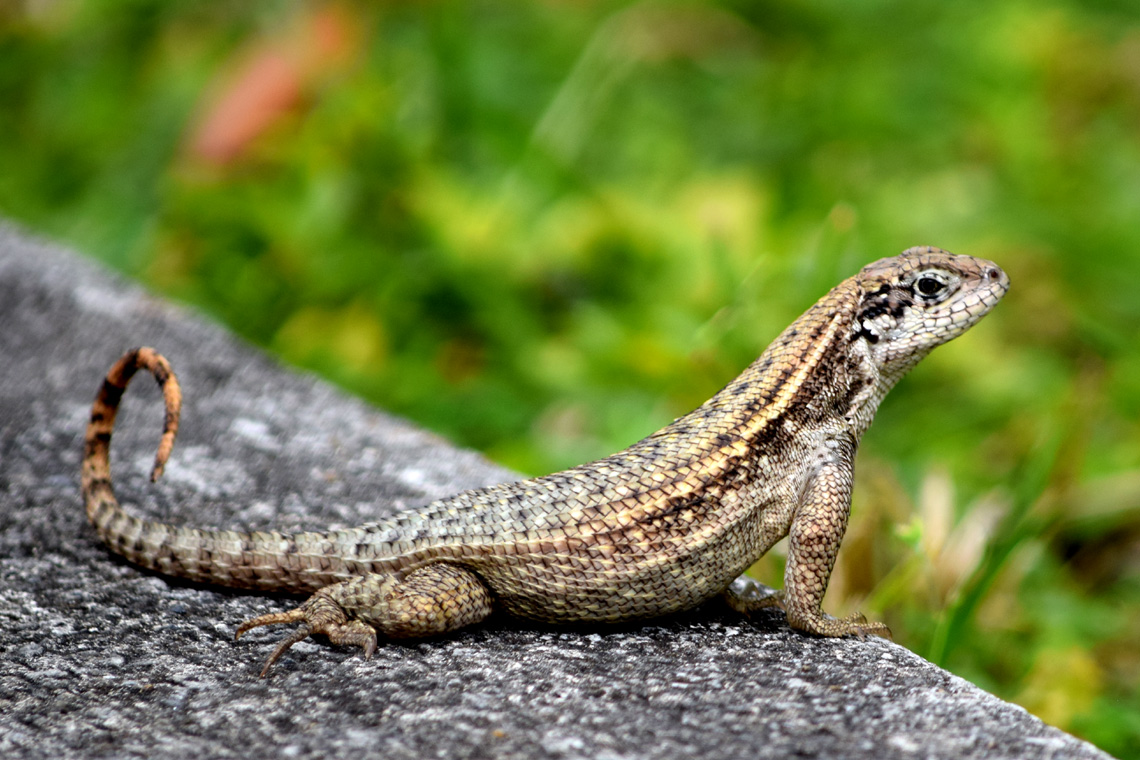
{"x": 546, "y": 229}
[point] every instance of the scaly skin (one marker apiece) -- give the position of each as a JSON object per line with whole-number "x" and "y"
{"x": 659, "y": 527}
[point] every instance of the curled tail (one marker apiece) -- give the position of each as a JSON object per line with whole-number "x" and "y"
{"x": 97, "y": 442}
{"x": 228, "y": 558}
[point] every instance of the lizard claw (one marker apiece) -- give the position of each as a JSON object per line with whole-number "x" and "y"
{"x": 318, "y": 614}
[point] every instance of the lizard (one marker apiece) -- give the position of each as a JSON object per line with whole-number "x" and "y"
{"x": 657, "y": 528}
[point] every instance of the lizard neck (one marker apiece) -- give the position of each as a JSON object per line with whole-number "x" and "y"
{"x": 818, "y": 372}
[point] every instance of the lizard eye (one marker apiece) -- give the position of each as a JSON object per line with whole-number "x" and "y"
{"x": 929, "y": 285}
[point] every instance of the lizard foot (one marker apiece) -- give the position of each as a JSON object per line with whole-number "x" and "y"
{"x": 853, "y": 625}
{"x": 747, "y": 596}
{"x": 858, "y": 625}
{"x": 318, "y": 614}
{"x": 433, "y": 599}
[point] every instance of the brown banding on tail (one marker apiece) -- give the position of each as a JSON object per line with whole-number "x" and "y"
{"x": 103, "y": 509}
{"x": 262, "y": 560}
{"x": 97, "y": 442}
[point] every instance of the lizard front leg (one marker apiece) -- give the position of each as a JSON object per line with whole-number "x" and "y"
{"x": 434, "y": 599}
{"x": 818, "y": 526}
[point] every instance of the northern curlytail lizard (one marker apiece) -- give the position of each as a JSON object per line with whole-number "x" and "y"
{"x": 659, "y": 527}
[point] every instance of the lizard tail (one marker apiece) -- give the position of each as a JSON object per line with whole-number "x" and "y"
{"x": 96, "y": 473}
{"x": 228, "y": 558}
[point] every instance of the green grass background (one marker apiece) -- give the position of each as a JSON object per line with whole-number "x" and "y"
{"x": 546, "y": 229}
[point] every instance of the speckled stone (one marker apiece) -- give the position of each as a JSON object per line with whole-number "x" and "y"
{"x": 99, "y": 659}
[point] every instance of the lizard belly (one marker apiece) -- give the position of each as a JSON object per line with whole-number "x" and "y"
{"x": 621, "y": 575}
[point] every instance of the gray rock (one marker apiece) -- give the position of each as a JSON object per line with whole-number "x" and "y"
{"x": 101, "y": 659}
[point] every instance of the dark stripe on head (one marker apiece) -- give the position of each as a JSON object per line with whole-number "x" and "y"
{"x": 873, "y": 311}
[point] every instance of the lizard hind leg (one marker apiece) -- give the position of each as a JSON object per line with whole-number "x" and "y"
{"x": 433, "y": 599}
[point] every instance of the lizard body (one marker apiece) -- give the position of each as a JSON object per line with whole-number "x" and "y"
{"x": 659, "y": 527}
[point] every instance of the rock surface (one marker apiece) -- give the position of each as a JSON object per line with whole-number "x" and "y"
{"x": 101, "y": 659}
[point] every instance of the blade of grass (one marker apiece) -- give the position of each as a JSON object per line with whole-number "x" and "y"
{"x": 1029, "y": 483}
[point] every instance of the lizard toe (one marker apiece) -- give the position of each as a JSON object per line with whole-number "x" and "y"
{"x": 858, "y": 625}
{"x": 750, "y": 597}
{"x": 822, "y": 624}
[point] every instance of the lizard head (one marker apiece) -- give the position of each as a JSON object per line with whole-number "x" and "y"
{"x": 920, "y": 299}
